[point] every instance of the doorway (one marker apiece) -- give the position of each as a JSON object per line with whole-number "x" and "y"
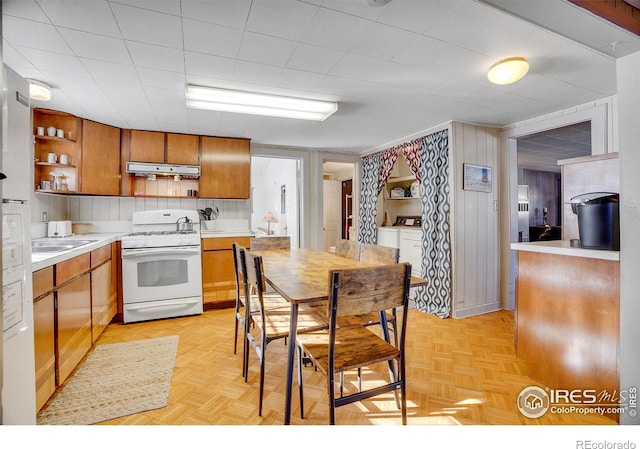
{"x": 275, "y": 194}
{"x": 338, "y": 202}
{"x": 601, "y": 142}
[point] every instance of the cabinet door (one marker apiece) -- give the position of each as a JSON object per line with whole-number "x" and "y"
{"x": 74, "y": 324}
{"x": 100, "y": 170}
{"x": 218, "y": 278}
{"x": 45, "y": 350}
{"x": 182, "y": 149}
{"x": 147, "y": 146}
{"x": 225, "y": 168}
{"x": 102, "y": 306}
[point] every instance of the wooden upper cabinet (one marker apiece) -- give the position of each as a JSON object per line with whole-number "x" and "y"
{"x": 225, "y": 168}
{"x": 100, "y": 169}
{"x": 146, "y": 146}
{"x": 182, "y": 149}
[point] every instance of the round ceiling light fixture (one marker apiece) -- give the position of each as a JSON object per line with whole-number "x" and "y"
{"x": 508, "y": 70}
{"x": 377, "y": 3}
{"x": 39, "y": 90}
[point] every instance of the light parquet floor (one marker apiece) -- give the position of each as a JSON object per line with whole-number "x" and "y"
{"x": 460, "y": 371}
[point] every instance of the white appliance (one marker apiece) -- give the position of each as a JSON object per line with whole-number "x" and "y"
{"x": 59, "y": 228}
{"x": 161, "y": 266}
{"x": 18, "y": 367}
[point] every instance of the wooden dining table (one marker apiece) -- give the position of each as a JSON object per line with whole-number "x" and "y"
{"x": 301, "y": 276}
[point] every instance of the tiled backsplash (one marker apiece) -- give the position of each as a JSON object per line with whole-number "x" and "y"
{"x": 93, "y": 208}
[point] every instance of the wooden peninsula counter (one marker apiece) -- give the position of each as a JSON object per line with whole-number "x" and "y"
{"x": 568, "y": 315}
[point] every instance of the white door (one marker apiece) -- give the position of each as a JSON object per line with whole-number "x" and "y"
{"x": 332, "y": 205}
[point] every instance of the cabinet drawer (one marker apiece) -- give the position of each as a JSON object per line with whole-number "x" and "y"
{"x": 71, "y": 268}
{"x": 100, "y": 255}
{"x": 42, "y": 281}
{"x": 219, "y": 243}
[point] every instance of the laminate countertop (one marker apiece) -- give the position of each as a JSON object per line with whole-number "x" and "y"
{"x": 564, "y": 248}
{"x": 44, "y": 260}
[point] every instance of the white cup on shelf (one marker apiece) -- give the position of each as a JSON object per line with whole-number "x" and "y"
{"x": 60, "y": 133}
{"x": 52, "y": 158}
{"x": 64, "y": 159}
{"x": 40, "y": 130}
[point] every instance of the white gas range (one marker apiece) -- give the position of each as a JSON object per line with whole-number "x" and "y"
{"x": 161, "y": 265}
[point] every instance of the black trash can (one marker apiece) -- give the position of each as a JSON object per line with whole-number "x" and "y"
{"x": 598, "y": 220}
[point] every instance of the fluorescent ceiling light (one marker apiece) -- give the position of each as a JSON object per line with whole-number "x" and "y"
{"x": 39, "y": 90}
{"x": 243, "y": 102}
{"x": 508, "y": 70}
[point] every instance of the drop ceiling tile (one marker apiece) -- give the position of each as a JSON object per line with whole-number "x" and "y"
{"x": 382, "y": 41}
{"x": 208, "y": 38}
{"x": 151, "y": 27}
{"x": 53, "y": 62}
{"x": 266, "y": 49}
{"x": 156, "y": 57}
{"x": 355, "y": 67}
{"x": 423, "y": 52}
{"x": 313, "y": 59}
{"x": 231, "y": 13}
{"x": 94, "y": 46}
{"x": 162, "y": 79}
{"x": 279, "y": 18}
{"x": 334, "y": 30}
{"x": 209, "y": 65}
{"x": 92, "y": 16}
{"x": 17, "y": 61}
{"x": 26, "y": 9}
{"x": 163, "y": 6}
{"x": 35, "y": 35}
{"x": 417, "y": 16}
{"x": 109, "y": 71}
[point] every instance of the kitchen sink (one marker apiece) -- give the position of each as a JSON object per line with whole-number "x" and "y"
{"x": 57, "y": 245}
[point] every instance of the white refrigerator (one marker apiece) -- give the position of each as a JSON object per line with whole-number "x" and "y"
{"x": 18, "y": 366}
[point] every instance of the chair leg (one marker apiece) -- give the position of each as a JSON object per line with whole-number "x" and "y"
{"x": 341, "y": 384}
{"x": 332, "y": 398}
{"x": 300, "y": 387}
{"x": 359, "y": 380}
{"x": 262, "y": 359}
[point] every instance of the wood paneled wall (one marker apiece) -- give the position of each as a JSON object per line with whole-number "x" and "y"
{"x": 544, "y": 191}
{"x": 474, "y": 223}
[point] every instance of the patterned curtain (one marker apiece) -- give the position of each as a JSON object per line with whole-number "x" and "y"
{"x": 368, "y": 197}
{"x": 387, "y": 161}
{"x": 435, "y": 298}
{"x": 412, "y": 153}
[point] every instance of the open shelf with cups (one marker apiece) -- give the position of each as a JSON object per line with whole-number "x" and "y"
{"x": 57, "y": 151}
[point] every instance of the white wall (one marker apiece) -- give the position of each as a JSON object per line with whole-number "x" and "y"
{"x": 628, "y": 69}
{"x": 266, "y": 183}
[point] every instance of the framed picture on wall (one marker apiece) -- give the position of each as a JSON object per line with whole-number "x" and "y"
{"x": 477, "y": 178}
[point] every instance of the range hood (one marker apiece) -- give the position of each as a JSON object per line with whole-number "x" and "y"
{"x": 151, "y": 168}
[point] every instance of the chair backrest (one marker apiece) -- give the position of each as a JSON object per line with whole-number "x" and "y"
{"x": 348, "y": 248}
{"x": 237, "y": 269}
{"x": 380, "y": 254}
{"x": 359, "y": 291}
{"x": 279, "y": 242}
{"x": 253, "y": 272}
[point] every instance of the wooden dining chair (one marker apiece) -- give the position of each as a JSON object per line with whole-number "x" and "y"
{"x": 384, "y": 255}
{"x": 242, "y": 319}
{"x": 378, "y": 254}
{"x": 348, "y": 248}
{"x": 270, "y": 323}
{"x": 341, "y": 348}
{"x": 279, "y": 242}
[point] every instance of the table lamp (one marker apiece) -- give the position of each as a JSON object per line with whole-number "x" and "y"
{"x": 269, "y": 218}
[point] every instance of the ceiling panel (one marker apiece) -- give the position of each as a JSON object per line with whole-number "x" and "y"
{"x": 395, "y": 70}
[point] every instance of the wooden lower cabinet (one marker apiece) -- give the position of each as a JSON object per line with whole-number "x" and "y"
{"x": 45, "y": 348}
{"x": 74, "y": 324}
{"x": 103, "y": 304}
{"x": 218, "y": 279}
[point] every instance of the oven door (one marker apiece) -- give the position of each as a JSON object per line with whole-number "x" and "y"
{"x": 154, "y": 274}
